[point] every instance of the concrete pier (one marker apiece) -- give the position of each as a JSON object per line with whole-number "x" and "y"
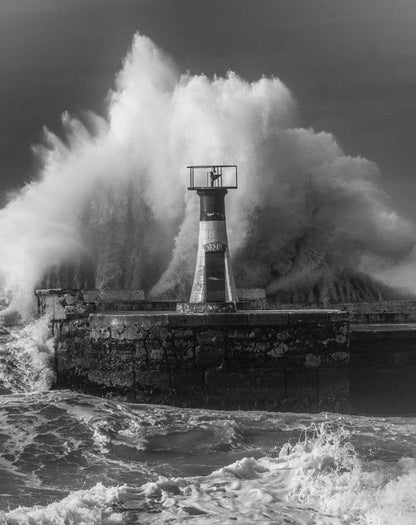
{"x": 295, "y": 360}
{"x": 252, "y": 359}
{"x": 112, "y": 344}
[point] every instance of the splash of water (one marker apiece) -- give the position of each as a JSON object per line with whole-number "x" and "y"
{"x": 84, "y": 506}
{"x": 318, "y": 478}
{"x": 112, "y": 195}
{"x": 26, "y": 356}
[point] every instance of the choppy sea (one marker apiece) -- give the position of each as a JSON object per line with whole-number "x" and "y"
{"x": 68, "y": 458}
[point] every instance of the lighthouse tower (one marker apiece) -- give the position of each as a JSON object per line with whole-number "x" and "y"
{"x": 213, "y": 279}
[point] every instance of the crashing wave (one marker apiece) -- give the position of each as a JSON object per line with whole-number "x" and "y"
{"x": 111, "y": 197}
{"x": 318, "y": 478}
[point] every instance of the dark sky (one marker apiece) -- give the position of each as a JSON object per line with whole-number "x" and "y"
{"x": 351, "y": 65}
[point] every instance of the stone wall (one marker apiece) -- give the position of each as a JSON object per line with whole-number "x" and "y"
{"x": 305, "y": 360}
{"x": 295, "y": 360}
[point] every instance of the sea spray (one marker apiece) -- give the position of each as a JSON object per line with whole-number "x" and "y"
{"x": 26, "y": 357}
{"x": 112, "y": 193}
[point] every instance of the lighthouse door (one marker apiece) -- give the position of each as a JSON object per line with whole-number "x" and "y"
{"x": 215, "y": 276}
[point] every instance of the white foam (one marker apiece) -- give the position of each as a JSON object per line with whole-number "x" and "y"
{"x": 318, "y": 479}
{"x": 27, "y": 355}
{"x": 93, "y": 506}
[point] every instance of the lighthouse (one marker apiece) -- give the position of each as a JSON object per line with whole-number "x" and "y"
{"x": 213, "y": 278}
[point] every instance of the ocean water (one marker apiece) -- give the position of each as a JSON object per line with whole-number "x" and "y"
{"x": 68, "y": 458}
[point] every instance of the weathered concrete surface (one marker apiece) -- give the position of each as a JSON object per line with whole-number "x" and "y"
{"x": 65, "y": 303}
{"x": 283, "y": 360}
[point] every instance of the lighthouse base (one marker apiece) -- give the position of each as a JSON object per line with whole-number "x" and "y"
{"x": 202, "y": 308}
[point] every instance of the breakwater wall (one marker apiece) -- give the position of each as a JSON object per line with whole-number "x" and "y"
{"x": 116, "y": 343}
{"x": 272, "y": 360}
